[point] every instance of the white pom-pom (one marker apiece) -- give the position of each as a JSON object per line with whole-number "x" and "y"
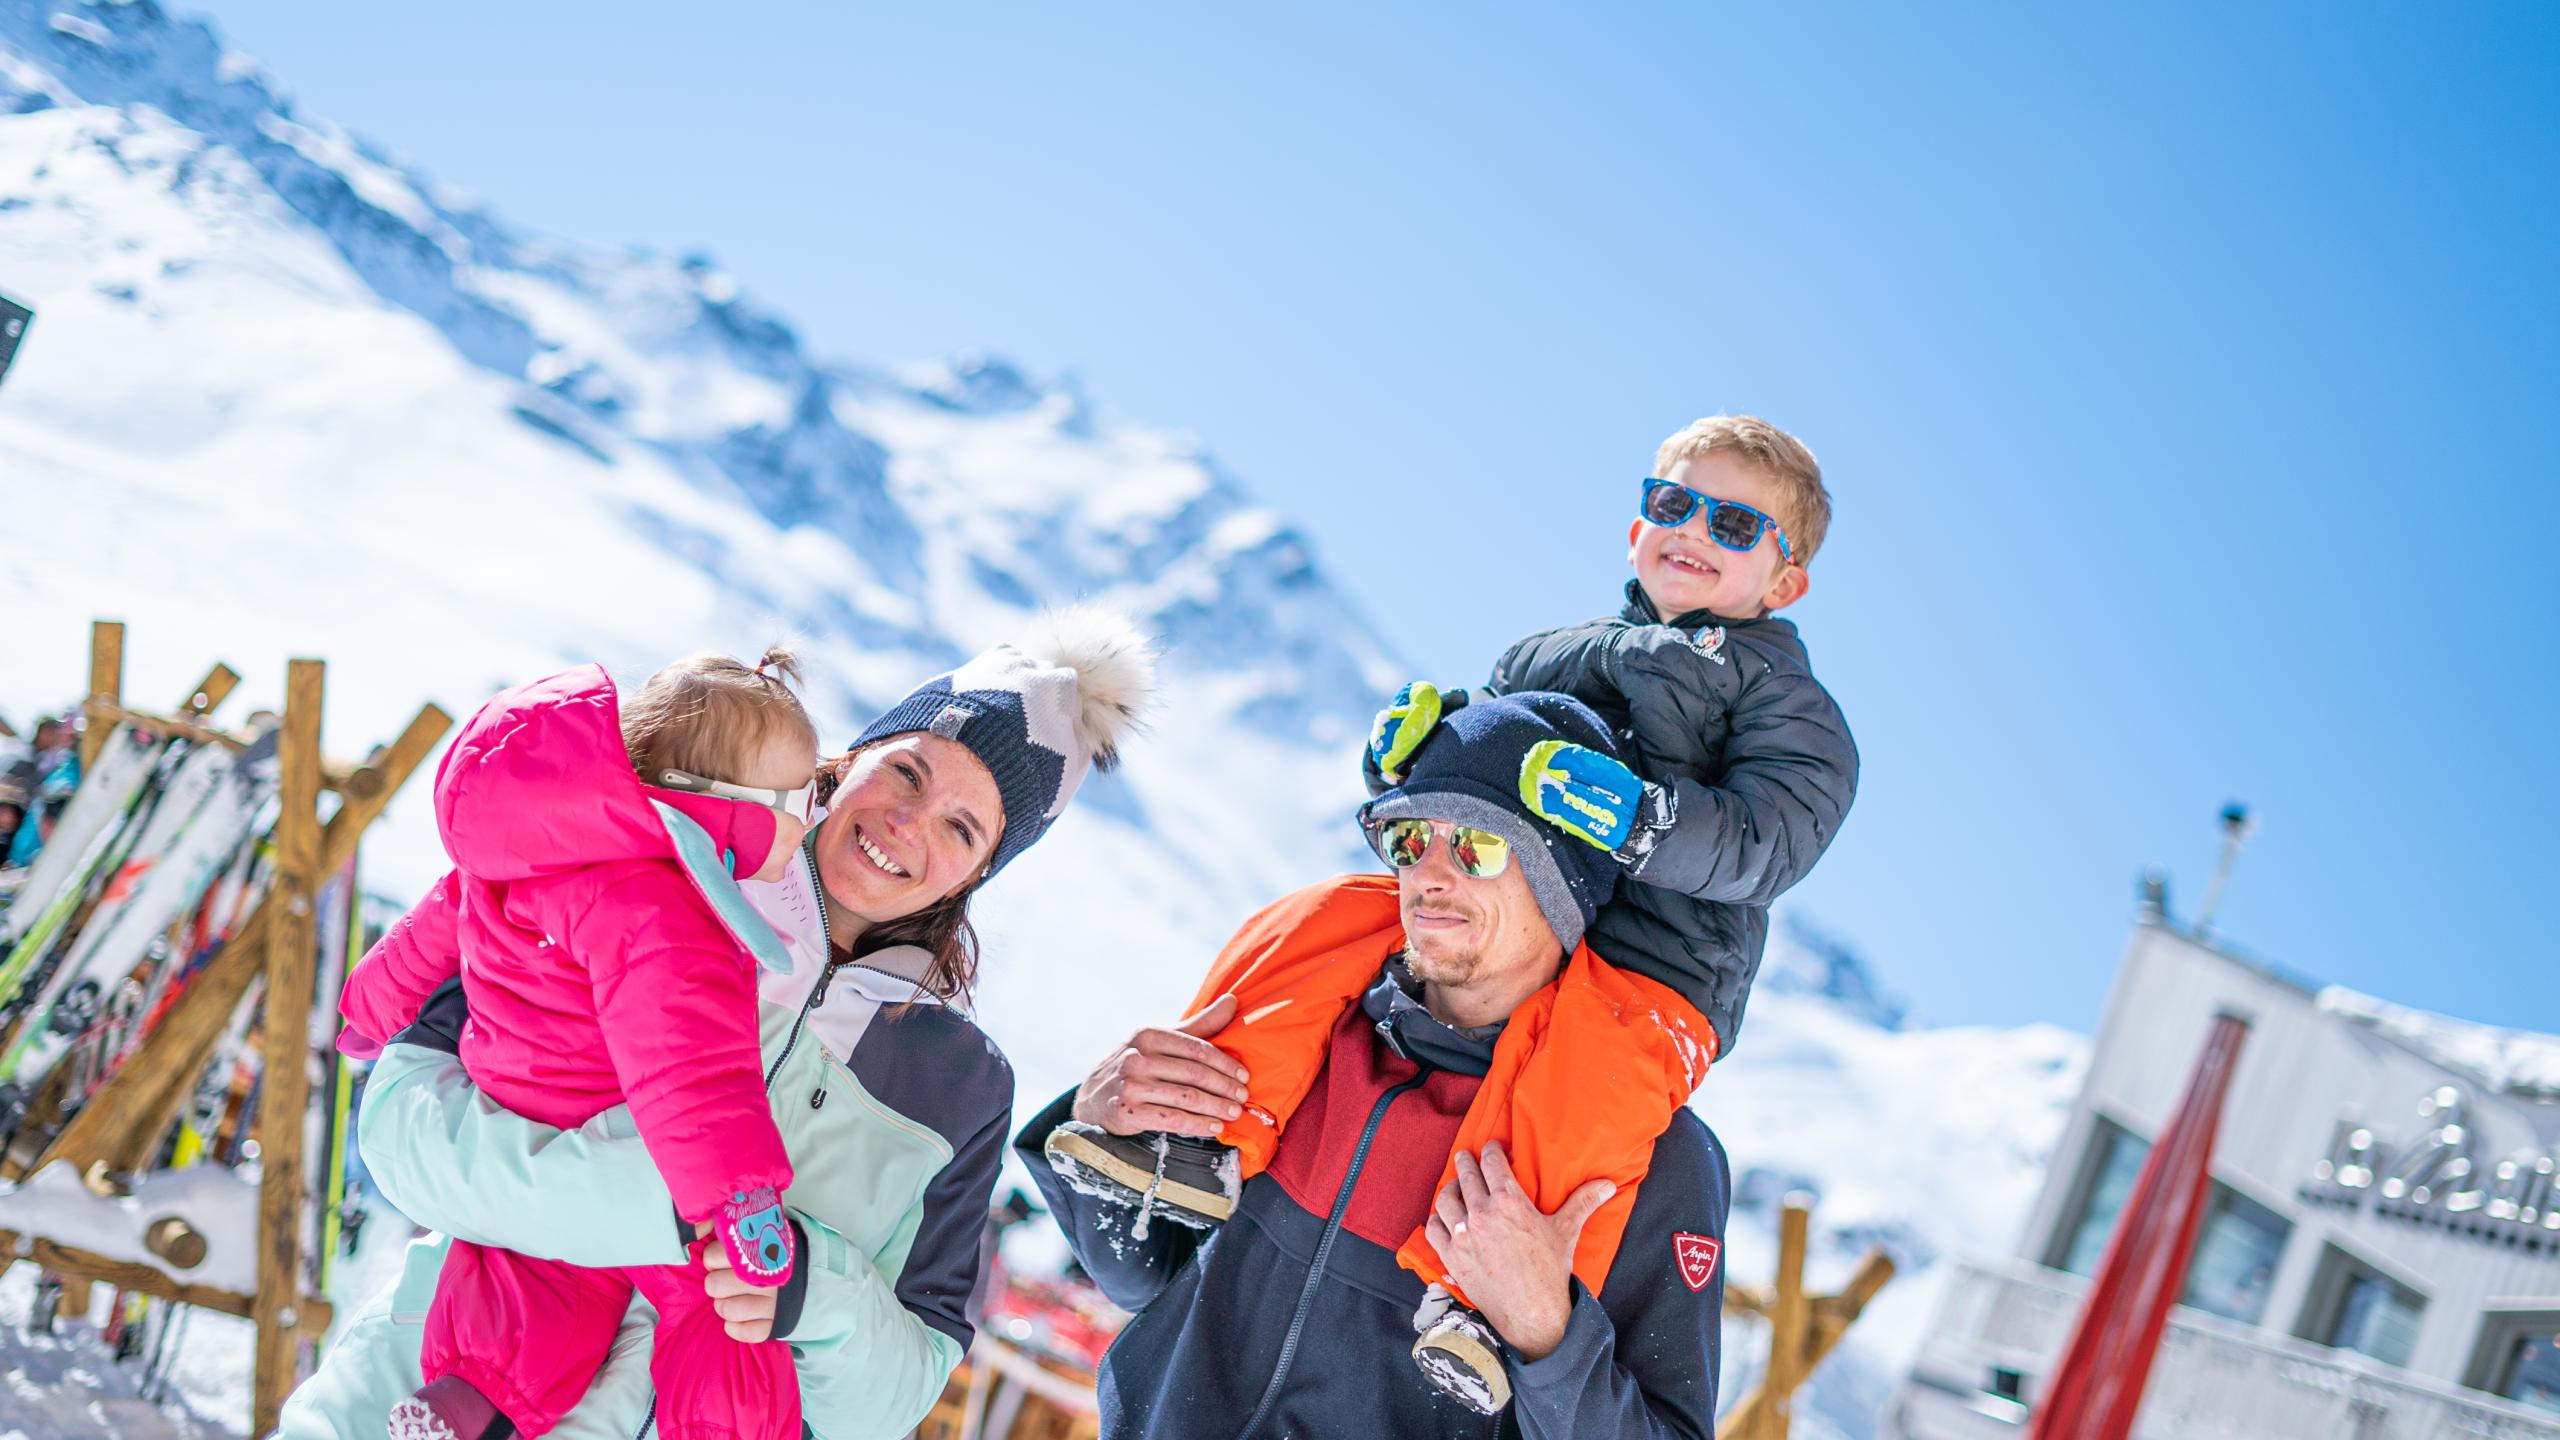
{"x": 1115, "y": 668}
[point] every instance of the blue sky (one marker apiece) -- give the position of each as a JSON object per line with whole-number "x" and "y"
{"x": 2186, "y": 378}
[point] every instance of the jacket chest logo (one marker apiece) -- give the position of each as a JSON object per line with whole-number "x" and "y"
{"x": 1710, "y": 643}
{"x": 1697, "y": 1256}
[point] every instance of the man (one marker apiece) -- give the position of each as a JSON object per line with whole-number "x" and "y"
{"x": 1294, "y": 1317}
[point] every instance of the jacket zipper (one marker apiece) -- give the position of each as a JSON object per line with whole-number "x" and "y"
{"x": 826, "y": 973}
{"x": 1324, "y": 1248}
{"x": 790, "y": 1042}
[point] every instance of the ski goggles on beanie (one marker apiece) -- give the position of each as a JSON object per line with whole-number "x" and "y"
{"x": 1731, "y": 524}
{"x": 1402, "y": 843}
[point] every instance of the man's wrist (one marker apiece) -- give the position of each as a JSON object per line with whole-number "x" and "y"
{"x": 1535, "y": 1337}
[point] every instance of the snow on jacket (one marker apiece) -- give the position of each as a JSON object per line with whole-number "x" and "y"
{"x": 597, "y": 969}
{"x": 894, "y": 1108}
{"x": 1293, "y": 1318}
{"x": 1726, "y": 715}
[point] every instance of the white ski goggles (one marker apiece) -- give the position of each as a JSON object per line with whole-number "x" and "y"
{"x": 790, "y": 802}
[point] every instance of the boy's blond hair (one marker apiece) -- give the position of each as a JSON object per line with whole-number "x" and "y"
{"x": 708, "y": 714}
{"x": 1803, "y": 507}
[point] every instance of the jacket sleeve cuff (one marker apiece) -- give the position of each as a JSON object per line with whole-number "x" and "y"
{"x": 440, "y": 1021}
{"x": 793, "y": 1297}
{"x": 1587, "y": 1335}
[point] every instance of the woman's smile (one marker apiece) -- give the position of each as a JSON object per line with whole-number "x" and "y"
{"x": 878, "y": 856}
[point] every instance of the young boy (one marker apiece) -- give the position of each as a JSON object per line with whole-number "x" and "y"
{"x": 1742, "y": 772}
{"x": 1747, "y": 766}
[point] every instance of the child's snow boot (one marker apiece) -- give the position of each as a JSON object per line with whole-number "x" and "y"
{"x": 1460, "y": 1355}
{"x": 1186, "y": 1178}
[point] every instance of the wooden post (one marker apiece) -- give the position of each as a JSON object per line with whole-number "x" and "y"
{"x": 1802, "y": 1328}
{"x": 106, "y": 682}
{"x": 285, "y": 1092}
{"x": 210, "y": 692}
{"x": 1789, "y": 1319}
{"x": 74, "y": 1301}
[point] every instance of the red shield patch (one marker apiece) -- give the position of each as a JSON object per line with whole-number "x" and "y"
{"x": 1697, "y": 1256}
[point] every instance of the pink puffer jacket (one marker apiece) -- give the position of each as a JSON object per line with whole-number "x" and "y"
{"x": 598, "y": 973}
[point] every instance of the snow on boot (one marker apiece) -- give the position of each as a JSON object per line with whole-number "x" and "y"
{"x": 1190, "y": 1180}
{"x": 1462, "y": 1359}
{"x": 448, "y": 1409}
{"x": 752, "y": 1229}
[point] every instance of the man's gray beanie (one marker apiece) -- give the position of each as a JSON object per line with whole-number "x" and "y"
{"x": 1468, "y": 773}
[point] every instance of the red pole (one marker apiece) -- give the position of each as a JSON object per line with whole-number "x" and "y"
{"x": 2095, "y": 1387}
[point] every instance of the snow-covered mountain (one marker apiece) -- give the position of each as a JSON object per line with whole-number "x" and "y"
{"x": 286, "y": 395}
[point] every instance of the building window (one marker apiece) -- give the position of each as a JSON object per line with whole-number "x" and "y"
{"x": 2235, "y": 1260}
{"x": 2519, "y": 1358}
{"x": 2234, "y": 1265}
{"x": 2355, "y": 1307}
{"x": 2115, "y": 1158}
{"x": 2533, "y": 1373}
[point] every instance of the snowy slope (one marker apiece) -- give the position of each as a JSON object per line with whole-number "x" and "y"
{"x": 285, "y": 395}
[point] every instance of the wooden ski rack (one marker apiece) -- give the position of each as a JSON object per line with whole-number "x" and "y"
{"x": 121, "y": 1128}
{"x": 1802, "y": 1328}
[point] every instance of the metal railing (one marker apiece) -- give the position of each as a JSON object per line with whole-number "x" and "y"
{"x": 2213, "y": 1380}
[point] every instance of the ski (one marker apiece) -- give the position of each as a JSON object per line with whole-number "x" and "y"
{"x": 81, "y": 839}
{"x": 199, "y": 821}
{"x": 341, "y": 939}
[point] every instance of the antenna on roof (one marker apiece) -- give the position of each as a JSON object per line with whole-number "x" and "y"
{"x": 2236, "y": 826}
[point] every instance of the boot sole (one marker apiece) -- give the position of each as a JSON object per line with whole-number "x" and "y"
{"x": 1463, "y": 1367}
{"x": 1064, "y": 1144}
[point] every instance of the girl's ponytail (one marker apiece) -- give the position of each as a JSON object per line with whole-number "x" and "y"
{"x": 781, "y": 665}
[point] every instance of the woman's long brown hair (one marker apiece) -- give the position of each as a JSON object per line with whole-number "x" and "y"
{"x": 941, "y": 929}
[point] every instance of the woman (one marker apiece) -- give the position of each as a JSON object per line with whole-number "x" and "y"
{"x": 893, "y": 1105}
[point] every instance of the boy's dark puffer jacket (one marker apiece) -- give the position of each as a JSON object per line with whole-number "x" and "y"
{"x": 1757, "y": 759}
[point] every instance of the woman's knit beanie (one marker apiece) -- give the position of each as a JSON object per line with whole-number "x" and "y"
{"x": 1038, "y": 714}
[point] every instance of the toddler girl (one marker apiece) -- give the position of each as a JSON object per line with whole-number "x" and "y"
{"x": 599, "y": 973}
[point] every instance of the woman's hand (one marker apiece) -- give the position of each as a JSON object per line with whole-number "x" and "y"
{"x": 746, "y": 1311}
{"x": 1171, "y": 1080}
{"x": 1513, "y": 1262}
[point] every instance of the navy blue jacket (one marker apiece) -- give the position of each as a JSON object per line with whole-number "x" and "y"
{"x": 1293, "y": 1319}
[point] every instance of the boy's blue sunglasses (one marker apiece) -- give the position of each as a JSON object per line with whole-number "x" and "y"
{"x": 1730, "y": 524}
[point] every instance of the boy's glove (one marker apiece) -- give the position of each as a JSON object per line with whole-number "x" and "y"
{"x": 1401, "y": 728}
{"x": 1580, "y": 791}
{"x": 753, "y": 1229}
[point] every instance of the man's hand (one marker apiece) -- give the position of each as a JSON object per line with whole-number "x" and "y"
{"x": 746, "y": 1311}
{"x": 1172, "y": 1080}
{"x": 1514, "y": 1263}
